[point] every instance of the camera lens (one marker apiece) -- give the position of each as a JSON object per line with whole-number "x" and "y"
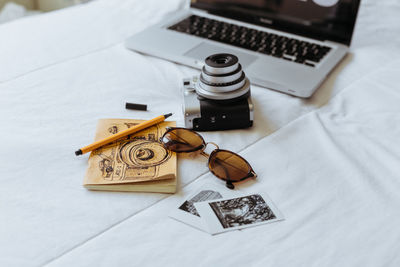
{"x": 222, "y": 78}
{"x": 221, "y": 63}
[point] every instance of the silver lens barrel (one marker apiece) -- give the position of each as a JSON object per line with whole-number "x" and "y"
{"x": 221, "y": 63}
{"x": 222, "y": 78}
{"x": 222, "y": 95}
{"x": 227, "y": 86}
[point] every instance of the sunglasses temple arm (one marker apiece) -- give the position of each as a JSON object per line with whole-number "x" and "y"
{"x": 204, "y": 154}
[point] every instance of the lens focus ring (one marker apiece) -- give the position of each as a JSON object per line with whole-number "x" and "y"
{"x": 220, "y": 95}
{"x": 223, "y": 87}
{"x": 221, "y": 63}
{"x": 222, "y": 78}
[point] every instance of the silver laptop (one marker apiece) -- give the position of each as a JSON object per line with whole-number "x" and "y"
{"x": 285, "y": 45}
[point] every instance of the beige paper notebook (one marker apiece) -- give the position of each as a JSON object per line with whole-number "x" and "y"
{"x": 138, "y": 162}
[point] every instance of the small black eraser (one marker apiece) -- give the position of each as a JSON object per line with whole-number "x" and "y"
{"x": 135, "y": 106}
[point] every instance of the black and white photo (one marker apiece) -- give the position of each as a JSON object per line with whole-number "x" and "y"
{"x": 241, "y": 211}
{"x": 237, "y": 213}
{"x": 201, "y": 196}
{"x": 187, "y": 213}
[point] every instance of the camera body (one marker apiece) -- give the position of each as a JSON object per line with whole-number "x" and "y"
{"x": 204, "y": 114}
{"x": 218, "y": 99}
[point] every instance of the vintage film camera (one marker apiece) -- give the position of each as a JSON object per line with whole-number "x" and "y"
{"x": 220, "y": 98}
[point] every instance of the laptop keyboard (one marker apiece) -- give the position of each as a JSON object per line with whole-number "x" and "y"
{"x": 263, "y": 42}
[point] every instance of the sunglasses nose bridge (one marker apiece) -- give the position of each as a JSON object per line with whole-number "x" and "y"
{"x": 205, "y": 154}
{"x": 212, "y": 143}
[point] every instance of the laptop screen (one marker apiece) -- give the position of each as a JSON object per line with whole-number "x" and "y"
{"x": 319, "y": 19}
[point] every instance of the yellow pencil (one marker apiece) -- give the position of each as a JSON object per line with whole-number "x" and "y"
{"x": 121, "y": 134}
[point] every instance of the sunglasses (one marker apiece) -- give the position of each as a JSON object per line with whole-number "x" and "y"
{"x": 224, "y": 164}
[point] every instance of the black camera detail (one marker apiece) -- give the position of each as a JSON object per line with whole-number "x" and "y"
{"x": 219, "y": 99}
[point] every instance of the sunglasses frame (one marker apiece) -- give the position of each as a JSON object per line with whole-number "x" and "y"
{"x": 202, "y": 147}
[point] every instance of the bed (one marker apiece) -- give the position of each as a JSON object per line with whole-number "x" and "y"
{"x": 330, "y": 163}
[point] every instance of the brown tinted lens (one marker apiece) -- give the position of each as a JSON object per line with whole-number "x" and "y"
{"x": 182, "y": 140}
{"x": 228, "y": 166}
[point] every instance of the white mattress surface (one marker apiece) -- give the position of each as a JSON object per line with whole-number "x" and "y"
{"x": 330, "y": 163}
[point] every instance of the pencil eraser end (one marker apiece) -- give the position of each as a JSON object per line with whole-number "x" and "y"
{"x": 78, "y": 152}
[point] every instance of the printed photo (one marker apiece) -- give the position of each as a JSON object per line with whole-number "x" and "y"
{"x": 202, "y": 196}
{"x": 237, "y": 212}
{"x": 241, "y": 211}
{"x": 187, "y": 212}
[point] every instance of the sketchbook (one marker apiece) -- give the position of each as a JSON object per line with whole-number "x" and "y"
{"x": 138, "y": 162}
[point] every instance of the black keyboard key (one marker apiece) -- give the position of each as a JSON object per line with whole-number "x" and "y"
{"x": 262, "y": 42}
{"x": 299, "y": 60}
{"x": 314, "y": 59}
{"x": 287, "y": 57}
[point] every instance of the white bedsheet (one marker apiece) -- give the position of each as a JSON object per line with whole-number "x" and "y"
{"x": 330, "y": 163}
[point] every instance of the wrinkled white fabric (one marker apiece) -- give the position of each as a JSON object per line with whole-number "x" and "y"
{"x": 330, "y": 163}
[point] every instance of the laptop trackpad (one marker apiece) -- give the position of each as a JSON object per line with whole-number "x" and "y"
{"x": 204, "y": 50}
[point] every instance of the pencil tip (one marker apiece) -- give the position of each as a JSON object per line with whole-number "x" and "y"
{"x": 167, "y": 115}
{"x": 78, "y": 152}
